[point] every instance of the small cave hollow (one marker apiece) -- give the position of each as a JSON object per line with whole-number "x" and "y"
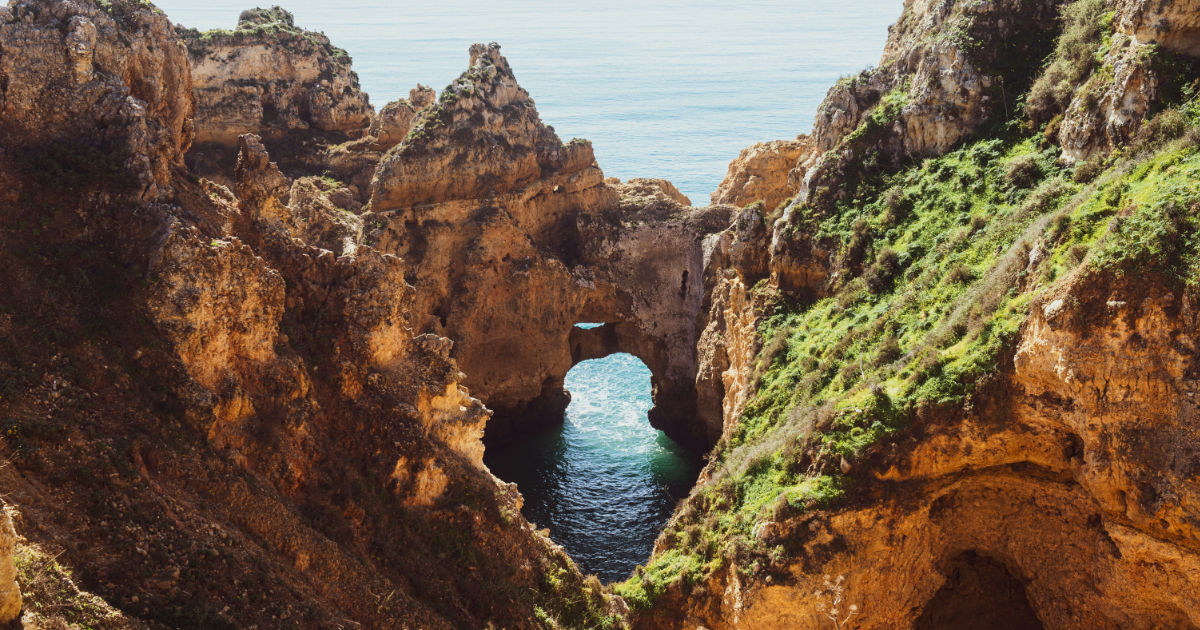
{"x": 603, "y": 481}
{"x": 980, "y": 593}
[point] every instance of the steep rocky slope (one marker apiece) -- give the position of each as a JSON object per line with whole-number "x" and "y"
{"x": 960, "y": 393}
{"x": 228, "y": 417}
{"x": 512, "y": 237}
{"x": 948, "y": 364}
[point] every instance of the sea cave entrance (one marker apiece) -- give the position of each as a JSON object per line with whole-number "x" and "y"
{"x": 604, "y": 481}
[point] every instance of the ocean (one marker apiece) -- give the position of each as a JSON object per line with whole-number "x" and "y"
{"x": 662, "y": 89}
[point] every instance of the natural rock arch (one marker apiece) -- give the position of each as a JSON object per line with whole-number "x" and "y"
{"x": 511, "y": 237}
{"x": 674, "y": 393}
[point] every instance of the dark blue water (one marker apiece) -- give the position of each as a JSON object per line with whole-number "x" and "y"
{"x": 605, "y": 481}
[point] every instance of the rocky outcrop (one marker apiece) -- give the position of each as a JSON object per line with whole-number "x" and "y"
{"x": 512, "y": 237}
{"x": 10, "y": 593}
{"x": 270, "y": 78}
{"x": 735, "y": 263}
{"x": 941, "y": 76}
{"x": 760, "y": 173}
{"x": 355, "y": 162}
{"x": 1110, "y": 108}
{"x": 1064, "y": 499}
{"x": 392, "y": 124}
{"x": 649, "y": 267}
{"x": 482, "y": 139}
{"x": 1173, "y": 25}
{"x": 473, "y": 210}
{"x": 78, "y": 101}
{"x": 1112, "y": 105}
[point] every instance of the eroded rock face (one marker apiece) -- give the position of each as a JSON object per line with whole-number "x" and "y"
{"x": 1174, "y": 25}
{"x": 10, "y": 592}
{"x": 1110, "y": 108}
{"x": 512, "y": 237}
{"x": 941, "y": 76}
{"x": 482, "y": 139}
{"x": 760, "y": 173}
{"x": 649, "y": 265}
{"x": 392, "y": 124}
{"x": 270, "y": 78}
{"x": 1065, "y": 499}
{"x": 476, "y": 229}
{"x": 117, "y": 109}
{"x": 735, "y": 263}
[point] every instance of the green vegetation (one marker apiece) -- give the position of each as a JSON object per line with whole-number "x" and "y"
{"x": 937, "y": 267}
{"x": 274, "y": 25}
{"x": 569, "y": 602}
{"x": 1086, "y": 36}
{"x": 108, "y": 7}
{"x": 882, "y": 116}
{"x": 49, "y": 591}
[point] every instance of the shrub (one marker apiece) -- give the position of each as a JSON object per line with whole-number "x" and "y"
{"x": 879, "y": 278}
{"x": 1168, "y": 125}
{"x": 889, "y": 351}
{"x": 888, "y": 259}
{"x": 1087, "y": 171}
{"x": 1023, "y": 171}
{"x": 1086, "y": 24}
{"x": 960, "y": 274}
{"x": 897, "y": 204}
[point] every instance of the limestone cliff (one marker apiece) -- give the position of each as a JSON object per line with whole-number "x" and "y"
{"x": 760, "y": 173}
{"x": 226, "y": 382}
{"x": 488, "y": 208}
{"x": 960, "y": 393}
{"x": 1062, "y": 499}
{"x": 954, "y": 381}
{"x": 270, "y": 78}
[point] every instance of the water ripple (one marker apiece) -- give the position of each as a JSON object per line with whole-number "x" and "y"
{"x": 605, "y": 481}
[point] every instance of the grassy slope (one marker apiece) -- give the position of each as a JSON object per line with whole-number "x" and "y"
{"x": 944, "y": 281}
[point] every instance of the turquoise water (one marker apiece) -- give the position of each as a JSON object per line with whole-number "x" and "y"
{"x": 662, "y": 89}
{"x": 605, "y": 481}
{"x": 670, "y": 89}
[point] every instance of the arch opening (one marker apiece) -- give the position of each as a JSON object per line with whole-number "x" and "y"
{"x": 980, "y": 593}
{"x": 604, "y": 481}
{"x": 673, "y": 390}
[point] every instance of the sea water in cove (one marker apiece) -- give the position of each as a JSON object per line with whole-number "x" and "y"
{"x": 605, "y": 481}
{"x": 668, "y": 89}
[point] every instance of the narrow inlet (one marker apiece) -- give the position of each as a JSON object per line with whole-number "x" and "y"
{"x": 604, "y": 482}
